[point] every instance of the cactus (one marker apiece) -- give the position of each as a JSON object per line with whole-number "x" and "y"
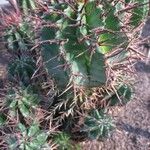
{"x": 29, "y": 138}
{"x": 113, "y": 36}
{"x": 63, "y": 141}
{"x": 23, "y": 100}
{"x": 27, "y": 5}
{"x": 21, "y": 69}
{"x": 98, "y": 124}
{"x": 72, "y": 57}
{"x": 19, "y": 38}
{"x": 75, "y": 38}
{"x": 139, "y": 13}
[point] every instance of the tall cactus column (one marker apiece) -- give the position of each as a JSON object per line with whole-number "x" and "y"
{"x": 76, "y": 59}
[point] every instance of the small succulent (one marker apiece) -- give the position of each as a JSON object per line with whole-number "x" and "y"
{"x": 28, "y": 138}
{"x": 63, "y": 141}
{"x": 98, "y": 124}
{"x": 124, "y": 93}
{"x": 19, "y": 38}
{"x": 23, "y": 100}
{"x": 21, "y": 70}
{"x": 27, "y": 5}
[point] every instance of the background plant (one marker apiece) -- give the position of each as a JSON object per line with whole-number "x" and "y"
{"x": 28, "y": 138}
{"x": 98, "y": 124}
{"x": 22, "y": 100}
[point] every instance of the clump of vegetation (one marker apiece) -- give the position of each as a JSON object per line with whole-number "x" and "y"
{"x": 66, "y": 74}
{"x": 28, "y": 138}
{"x": 98, "y": 124}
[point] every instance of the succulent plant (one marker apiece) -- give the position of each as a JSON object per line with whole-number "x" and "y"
{"x": 21, "y": 70}
{"x": 81, "y": 40}
{"x": 69, "y": 55}
{"x": 75, "y": 37}
{"x": 27, "y": 5}
{"x": 98, "y": 124}
{"x": 63, "y": 141}
{"x": 28, "y": 138}
{"x": 24, "y": 100}
{"x": 19, "y": 38}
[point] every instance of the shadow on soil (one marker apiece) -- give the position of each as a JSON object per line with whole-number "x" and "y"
{"x": 142, "y": 67}
{"x": 134, "y": 130}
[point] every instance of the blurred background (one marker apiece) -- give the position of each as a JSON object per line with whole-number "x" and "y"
{"x": 2, "y": 2}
